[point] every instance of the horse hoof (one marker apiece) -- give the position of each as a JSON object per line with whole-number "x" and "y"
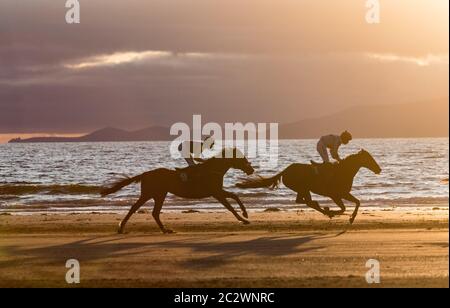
{"x": 246, "y": 222}
{"x": 245, "y": 214}
{"x": 120, "y": 230}
{"x": 168, "y": 231}
{"x": 352, "y": 219}
{"x": 330, "y": 215}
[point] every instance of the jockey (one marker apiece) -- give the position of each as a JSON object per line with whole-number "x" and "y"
{"x": 191, "y": 151}
{"x": 332, "y": 142}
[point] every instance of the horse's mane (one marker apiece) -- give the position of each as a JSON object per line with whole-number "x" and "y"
{"x": 355, "y": 155}
{"x": 208, "y": 161}
{"x": 221, "y": 157}
{"x": 351, "y": 156}
{"x": 224, "y": 154}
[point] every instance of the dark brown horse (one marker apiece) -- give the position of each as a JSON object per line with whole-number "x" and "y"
{"x": 196, "y": 182}
{"x": 334, "y": 182}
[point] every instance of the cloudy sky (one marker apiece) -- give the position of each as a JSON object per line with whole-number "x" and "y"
{"x": 138, "y": 63}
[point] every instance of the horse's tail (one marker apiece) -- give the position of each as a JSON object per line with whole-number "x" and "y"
{"x": 118, "y": 185}
{"x": 262, "y": 182}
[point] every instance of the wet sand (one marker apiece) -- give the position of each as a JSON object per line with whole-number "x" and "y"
{"x": 278, "y": 249}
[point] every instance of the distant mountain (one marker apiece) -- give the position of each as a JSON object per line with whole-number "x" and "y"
{"x": 425, "y": 119}
{"x": 107, "y": 134}
{"x": 155, "y": 133}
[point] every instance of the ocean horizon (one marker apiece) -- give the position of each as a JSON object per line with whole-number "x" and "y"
{"x": 66, "y": 177}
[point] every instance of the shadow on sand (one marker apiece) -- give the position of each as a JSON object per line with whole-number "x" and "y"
{"x": 206, "y": 251}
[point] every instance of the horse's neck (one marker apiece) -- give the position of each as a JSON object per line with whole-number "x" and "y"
{"x": 350, "y": 167}
{"x": 220, "y": 166}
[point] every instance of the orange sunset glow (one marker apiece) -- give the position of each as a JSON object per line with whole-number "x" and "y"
{"x": 272, "y": 61}
{"x": 257, "y": 146}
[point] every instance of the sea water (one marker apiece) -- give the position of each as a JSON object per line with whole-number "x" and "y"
{"x": 45, "y": 177}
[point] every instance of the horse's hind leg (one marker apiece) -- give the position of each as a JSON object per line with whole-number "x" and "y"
{"x": 133, "y": 210}
{"x": 312, "y": 204}
{"x": 159, "y": 201}
{"x": 339, "y": 202}
{"x": 300, "y": 199}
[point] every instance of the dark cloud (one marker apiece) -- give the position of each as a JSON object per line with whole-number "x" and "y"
{"x": 258, "y": 60}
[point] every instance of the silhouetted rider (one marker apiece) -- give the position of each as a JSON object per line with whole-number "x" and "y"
{"x": 192, "y": 151}
{"x": 332, "y": 143}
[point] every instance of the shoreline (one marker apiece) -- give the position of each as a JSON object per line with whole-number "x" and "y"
{"x": 278, "y": 249}
{"x": 210, "y": 206}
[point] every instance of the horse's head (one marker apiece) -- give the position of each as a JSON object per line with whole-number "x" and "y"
{"x": 367, "y": 161}
{"x": 238, "y": 160}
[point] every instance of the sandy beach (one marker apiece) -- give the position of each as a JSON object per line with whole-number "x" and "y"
{"x": 278, "y": 249}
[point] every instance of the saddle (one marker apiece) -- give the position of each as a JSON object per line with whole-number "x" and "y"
{"x": 190, "y": 174}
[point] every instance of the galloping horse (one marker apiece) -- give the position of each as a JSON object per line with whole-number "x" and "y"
{"x": 334, "y": 182}
{"x": 196, "y": 182}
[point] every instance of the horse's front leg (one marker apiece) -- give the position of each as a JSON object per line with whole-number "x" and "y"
{"x": 339, "y": 203}
{"x": 222, "y": 199}
{"x": 351, "y": 198}
{"x": 228, "y": 194}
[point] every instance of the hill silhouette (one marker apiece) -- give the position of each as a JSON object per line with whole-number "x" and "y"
{"x": 423, "y": 119}
{"x": 108, "y": 134}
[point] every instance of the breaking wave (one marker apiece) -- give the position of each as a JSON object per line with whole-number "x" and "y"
{"x": 72, "y": 189}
